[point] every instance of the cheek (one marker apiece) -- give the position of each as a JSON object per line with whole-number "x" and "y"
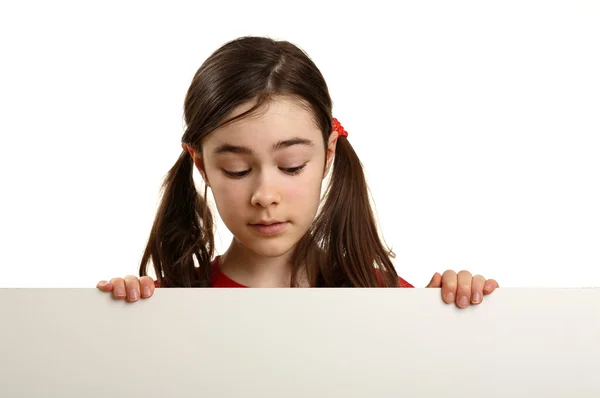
{"x": 224, "y": 190}
{"x": 305, "y": 190}
{"x": 227, "y": 196}
{"x": 230, "y": 204}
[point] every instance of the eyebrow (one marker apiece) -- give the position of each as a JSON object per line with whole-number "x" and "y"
{"x": 228, "y": 148}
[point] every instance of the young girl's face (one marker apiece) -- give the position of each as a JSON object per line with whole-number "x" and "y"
{"x": 268, "y": 169}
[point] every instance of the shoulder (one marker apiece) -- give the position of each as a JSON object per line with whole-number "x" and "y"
{"x": 403, "y": 283}
{"x": 214, "y": 272}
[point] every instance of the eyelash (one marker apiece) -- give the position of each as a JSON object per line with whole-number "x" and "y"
{"x": 240, "y": 174}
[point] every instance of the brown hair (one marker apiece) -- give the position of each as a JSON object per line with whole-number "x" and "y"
{"x": 341, "y": 249}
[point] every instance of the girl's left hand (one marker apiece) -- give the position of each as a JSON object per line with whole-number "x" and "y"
{"x": 462, "y": 288}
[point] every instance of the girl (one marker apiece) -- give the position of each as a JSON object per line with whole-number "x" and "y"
{"x": 260, "y": 132}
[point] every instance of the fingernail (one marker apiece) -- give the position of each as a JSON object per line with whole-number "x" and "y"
{"x": 450, "y": 297}
{"x": 146, "y": 291}
{"x": 102, "y": 283}
{"x": 463, "y": 301}
{"x": 133, "y": 294}
{"x": 120, "y": 292}
{"x": 476, "y": 297}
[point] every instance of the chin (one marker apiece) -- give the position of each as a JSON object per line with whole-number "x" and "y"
{"x": 271, "y": 248}
{"x": 267, "y": 247}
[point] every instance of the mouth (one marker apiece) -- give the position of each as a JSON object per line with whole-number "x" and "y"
{"x": 270, "y": 227}
{"x": 267, "y": 222}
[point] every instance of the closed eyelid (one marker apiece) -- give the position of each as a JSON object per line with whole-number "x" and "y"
{"x": 283, "y": 160}
{"x": 294, "y": 170}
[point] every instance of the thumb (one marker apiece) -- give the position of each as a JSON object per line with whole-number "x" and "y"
{"x": 436, "y": 280}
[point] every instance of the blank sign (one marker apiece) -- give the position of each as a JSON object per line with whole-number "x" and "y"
{"x": 299, "y": 343}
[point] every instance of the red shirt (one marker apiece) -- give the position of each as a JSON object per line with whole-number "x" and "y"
{"x": 219, "y": 279}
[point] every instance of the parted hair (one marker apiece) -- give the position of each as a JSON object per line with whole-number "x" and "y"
{"x": 342, "y": 248}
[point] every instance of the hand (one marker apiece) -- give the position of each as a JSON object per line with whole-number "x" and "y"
{"x": 128, "y": 287}
{"x": 462, "y": 288}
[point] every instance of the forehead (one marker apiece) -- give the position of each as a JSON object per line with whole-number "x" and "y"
{"x": 280, "y": 119}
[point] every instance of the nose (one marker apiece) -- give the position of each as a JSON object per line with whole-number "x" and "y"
{"x": 266, "y": 192}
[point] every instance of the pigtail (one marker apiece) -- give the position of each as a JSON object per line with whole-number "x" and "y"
{"x": 182, "y": 231}
{"x": 352, "y": 254}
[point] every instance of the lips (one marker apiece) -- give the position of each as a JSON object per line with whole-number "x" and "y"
{"x": 271, "y": 227}
{"x": 267, "y": 222}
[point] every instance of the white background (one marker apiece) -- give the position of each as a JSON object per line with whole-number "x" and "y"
{"x": 478, "y": 124}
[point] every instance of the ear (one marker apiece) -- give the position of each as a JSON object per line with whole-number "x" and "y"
{"x": 330, "y": 153}
{"x": 197, "y": 161}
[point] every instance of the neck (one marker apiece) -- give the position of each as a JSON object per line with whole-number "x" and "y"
{"x": 253, "y": 270}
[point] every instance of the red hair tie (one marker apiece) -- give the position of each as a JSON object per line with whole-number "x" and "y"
{"x": 339, "y": 128}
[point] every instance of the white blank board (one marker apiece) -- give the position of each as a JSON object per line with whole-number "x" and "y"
{"x": 299, "y": 343}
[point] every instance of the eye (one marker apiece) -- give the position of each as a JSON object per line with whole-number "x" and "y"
{"x": 236, "y": 174}
{"x": 243, "y": 173}
{"x": 293, "y": 170}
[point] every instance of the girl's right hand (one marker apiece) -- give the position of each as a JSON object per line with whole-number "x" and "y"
{"x": 129, "y": 288}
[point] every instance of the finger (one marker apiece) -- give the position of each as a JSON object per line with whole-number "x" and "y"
{"x": 132, "y": 285}
{"x": 449, "y": 283}
{"x": 490, "y": 286}
{"x": 105, "y": 286}
{"x": 477, "y": 289}
{"x": 118, "y": 288}
{"x": 147, "y": 285}
{"x": 463, "y": 292}
{"x": 436, "y": 280}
